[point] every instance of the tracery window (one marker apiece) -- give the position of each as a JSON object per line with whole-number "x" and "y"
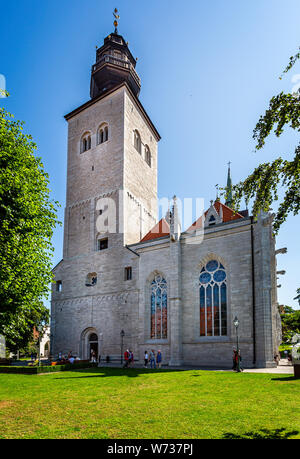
{"x": 102, "y": 135}
{"x": 213, "y": 299}
{"x": 86, "y": 142}
{"x": 159, "y": 308}
{"x": 137, "y": 141}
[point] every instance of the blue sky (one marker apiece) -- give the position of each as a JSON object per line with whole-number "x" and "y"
{"x": 208, "y": 70}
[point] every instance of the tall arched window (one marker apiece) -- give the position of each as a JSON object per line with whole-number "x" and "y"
{"x": 148, "y": 155}
{"x": 137, "y": 141}
{"x": 86, "y": 142}
{"x": 159, "y": 308}
{"x": 102, "y": 134}
{"x": 213, "y": 299}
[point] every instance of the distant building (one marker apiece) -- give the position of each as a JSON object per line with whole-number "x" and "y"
{"x": 2, "y": 347}
{"x": 44, "y": 342}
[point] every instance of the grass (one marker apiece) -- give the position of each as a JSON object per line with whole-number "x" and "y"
{"x": 134, "y": 404}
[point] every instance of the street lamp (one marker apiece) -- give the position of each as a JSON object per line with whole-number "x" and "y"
{"x": 236, "y": 324}
{"x": 122, "y": 338}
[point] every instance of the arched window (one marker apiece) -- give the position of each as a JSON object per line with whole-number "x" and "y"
{"x": 211, "y": 221}
{"x": 137, "y": 141}
{"x": 86, "y": 142}
{"x": 148, "y": 155}
{"x": 159, "y": 308}
{"x": 102, "y": 134}
{"x": 213, "y": 300}
{"x": 91, "y": 280}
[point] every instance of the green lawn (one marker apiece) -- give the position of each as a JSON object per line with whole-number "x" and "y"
{"x": 115, "y": 404}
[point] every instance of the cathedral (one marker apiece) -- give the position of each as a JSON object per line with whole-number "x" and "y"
{"x": 129, "y": 280}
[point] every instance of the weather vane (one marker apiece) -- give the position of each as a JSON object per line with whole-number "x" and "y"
{"x": 116, "y": 21}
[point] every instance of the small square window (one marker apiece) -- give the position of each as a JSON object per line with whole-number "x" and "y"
{"x": 102, "y": 244}
{"x": 58, "y": 286}
{"x": 128, "y": 273}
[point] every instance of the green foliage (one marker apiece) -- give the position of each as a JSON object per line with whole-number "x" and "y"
{"x": 298, "y": 296}
{"x": 3, "y": 93}
{"x": 45, "y": 368}
{"x": 292, "y": 62}
{"x": 115, "y": 403}
{"x": 290, "y": 321}
{"x": 263, "y": 184}
{"x": 27, "y": 220}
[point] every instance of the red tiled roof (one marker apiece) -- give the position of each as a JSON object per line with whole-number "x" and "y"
{"x": 228, "y": 215}
{"x": 161, "y": 229}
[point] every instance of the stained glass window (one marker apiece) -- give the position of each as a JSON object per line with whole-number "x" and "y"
{"x": 159, "y": 308}
{"x": 213, "y": 300}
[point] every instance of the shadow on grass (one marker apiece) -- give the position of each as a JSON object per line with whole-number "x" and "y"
{"x": 286, "y": 379}
{"x": 107, "y": 372}
{"x": 263, "y": 434}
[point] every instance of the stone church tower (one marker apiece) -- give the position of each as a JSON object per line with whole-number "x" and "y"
{"x": 111, "y": 202}
{"x": 129, "y": 281}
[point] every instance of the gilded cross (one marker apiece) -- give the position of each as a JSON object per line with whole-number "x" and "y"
{"x": 116, "y": 21}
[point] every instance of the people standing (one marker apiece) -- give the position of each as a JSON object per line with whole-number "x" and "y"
{"x": 239, "y": 360}
{"x": 152, "y": 359}
{"x": 159, "y": 359}
{"x": 146, "y": 359}
{"x": 126, "y": 358}
{"x": 131, "y": 359}
{"x": 234, "y": 360}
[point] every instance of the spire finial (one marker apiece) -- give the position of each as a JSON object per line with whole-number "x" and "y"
{"x": 229, "y": 187}
{"x": 116, "y": 21}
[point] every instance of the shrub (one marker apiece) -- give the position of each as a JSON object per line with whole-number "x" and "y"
{"x": 45, "y": 369}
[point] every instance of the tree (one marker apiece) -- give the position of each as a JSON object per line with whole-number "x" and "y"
{"x": 298, "y": 296}
{"x": 27, "y": 220}
{"x": 290, "y": 321}
{"x": 263, "y": 184}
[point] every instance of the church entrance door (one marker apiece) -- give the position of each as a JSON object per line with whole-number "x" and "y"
{"x": 93, "y": 346}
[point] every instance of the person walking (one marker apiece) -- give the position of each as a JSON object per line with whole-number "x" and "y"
{"x": 159, "y": 359}
{"x": 146, "y": 359}
{"x": 152, "y": 359}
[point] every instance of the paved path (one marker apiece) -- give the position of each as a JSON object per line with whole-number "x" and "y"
{"x": 283, "y": 368}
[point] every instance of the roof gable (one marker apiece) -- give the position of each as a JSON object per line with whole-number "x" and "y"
{"x": 161, "y": 229}
{"x": 224, "y": 212}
